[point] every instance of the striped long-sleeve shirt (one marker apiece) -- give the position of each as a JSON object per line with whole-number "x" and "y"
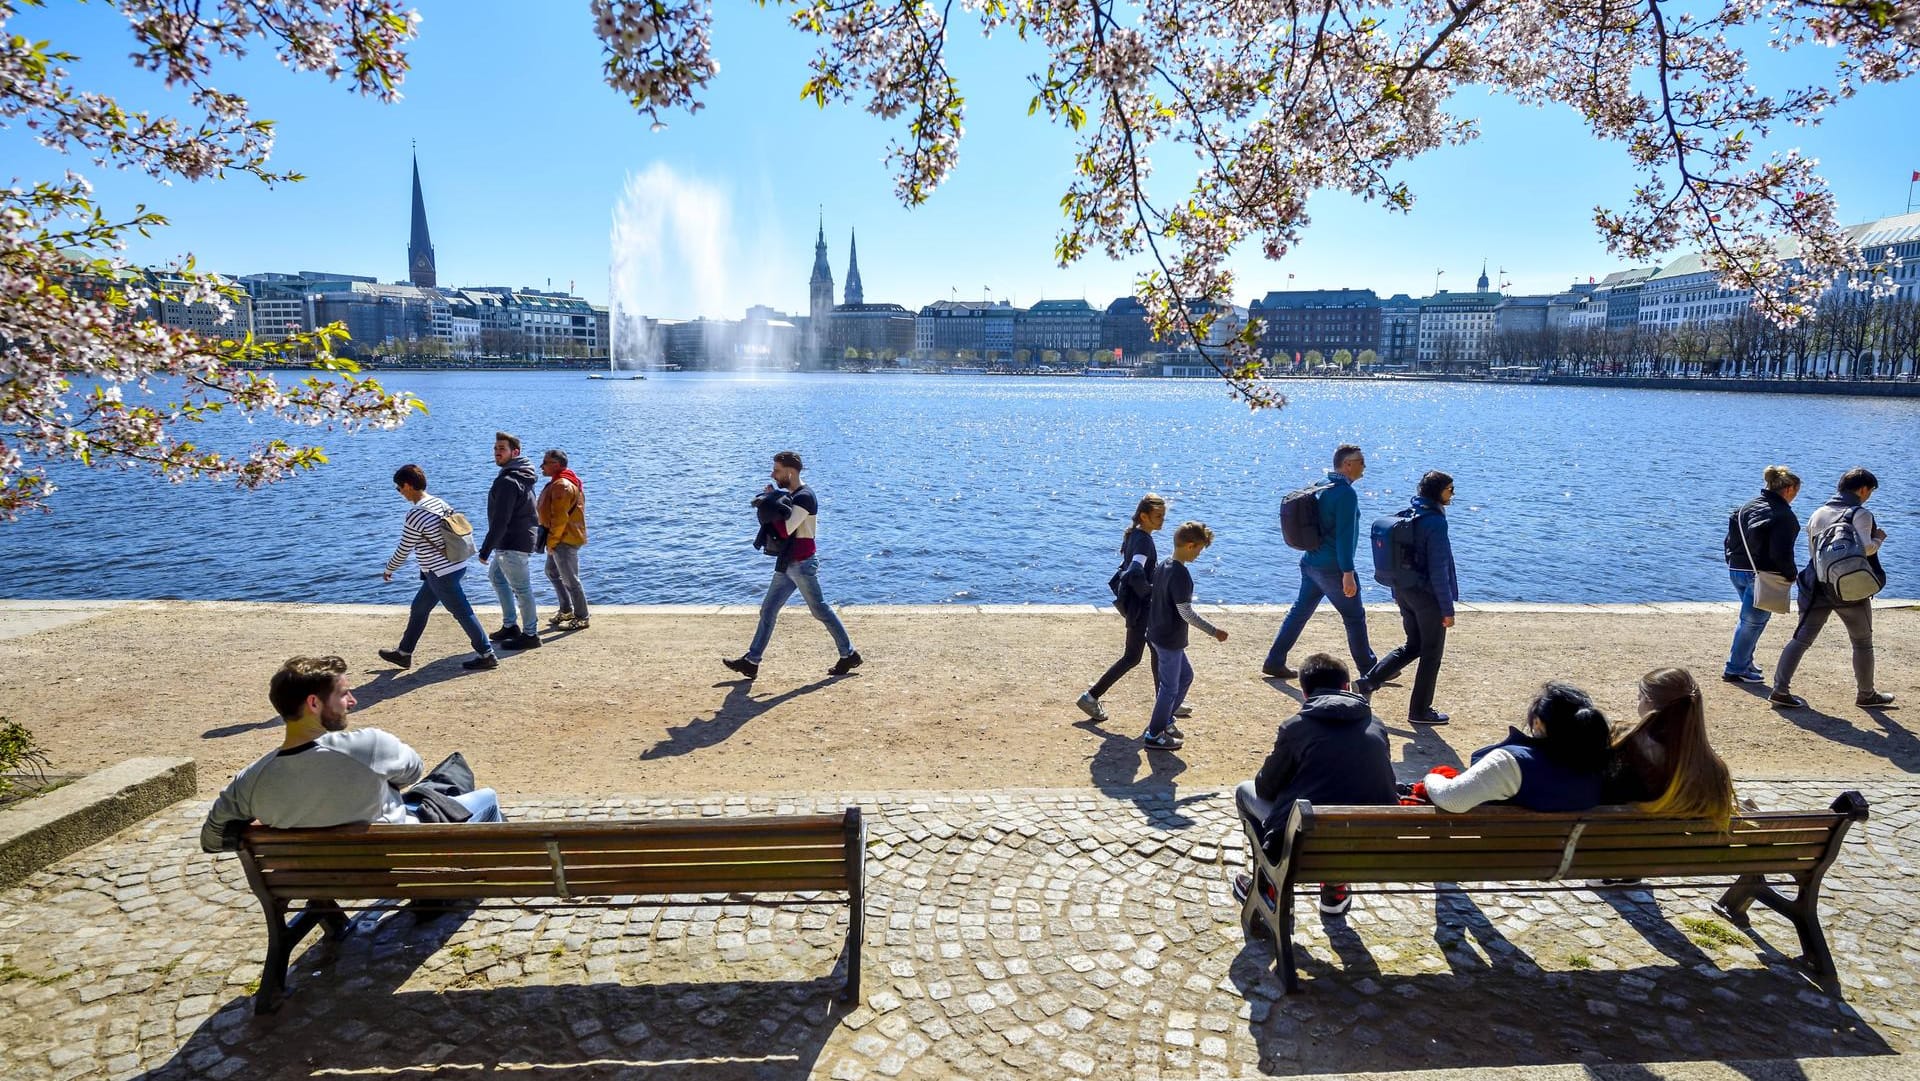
{"x": 420, "y": 538}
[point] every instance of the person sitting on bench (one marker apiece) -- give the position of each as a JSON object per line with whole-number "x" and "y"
{"x": 323, "y": 774}
{"x": 1555, "y": 765}
{"x": 1333, "y": 752}
{"x": 1664, "y": 765}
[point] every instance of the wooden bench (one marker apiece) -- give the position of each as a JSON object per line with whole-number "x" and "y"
{"x": 1513, "y": 845}
{"x": 548, "y": 865}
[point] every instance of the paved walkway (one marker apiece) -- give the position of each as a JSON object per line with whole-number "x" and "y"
{"x": 1024, "y": 934}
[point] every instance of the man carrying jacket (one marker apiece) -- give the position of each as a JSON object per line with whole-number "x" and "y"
{"x": 1426, "y": 603}
{"x": 1328, "y": 572}
{"x": 511, "y": 524}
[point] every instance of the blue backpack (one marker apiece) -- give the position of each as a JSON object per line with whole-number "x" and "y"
{"x": 1393, "y": 559}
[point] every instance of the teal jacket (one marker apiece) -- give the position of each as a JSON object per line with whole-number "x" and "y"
{"x": 1339, "y": 526}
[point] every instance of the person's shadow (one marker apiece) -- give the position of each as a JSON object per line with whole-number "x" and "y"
{"x": 1893, "y": 742}
{"x": 390, "y": 683}
{"x": 739, "y": 707}
{"x": 1115, "y": 768}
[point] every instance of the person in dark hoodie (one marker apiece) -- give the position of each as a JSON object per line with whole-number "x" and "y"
{"x": 1760, "y": 538}
{"x": 1426, "y": 606}
{"x": 1557, "y": 764}
{"x": 1333, "y": 752}
{"x": 508, "y": 546}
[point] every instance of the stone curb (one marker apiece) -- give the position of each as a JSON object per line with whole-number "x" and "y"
{"x": 51, "y": 827}
{"x": 1877, "y": 1068}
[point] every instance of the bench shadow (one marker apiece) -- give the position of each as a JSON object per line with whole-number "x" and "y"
{"x": 735, "y": 710}
{"x": 390, "y": 683}
{"x": 1893, "y": 742}
{"x": 358, "y": 1018}
{"x": 1115, "y": 771}
{"x": 1503, "y": 1009}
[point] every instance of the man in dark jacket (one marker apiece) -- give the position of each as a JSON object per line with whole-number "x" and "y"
{"x": 1333, "y": 752}
{"x": 1760, "y": 537}
{"x": 1426, "y": 604}
{"x": 509, "y": 543}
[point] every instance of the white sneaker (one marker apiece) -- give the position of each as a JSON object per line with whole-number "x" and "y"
{"x": 1091, "y": 706}
{"x": 1183, "y": 711}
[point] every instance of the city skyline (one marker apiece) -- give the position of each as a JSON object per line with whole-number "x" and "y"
{"x": 523, "y": 185}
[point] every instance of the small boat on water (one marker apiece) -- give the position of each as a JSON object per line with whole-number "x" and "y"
{"x": 597, "y": 375}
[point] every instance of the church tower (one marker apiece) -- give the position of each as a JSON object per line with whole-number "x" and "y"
{"x": 819, "y": 296}
{"x": 854, "y": 293}
{"x": 1482, "y": 283}
{"x": 420, "y": 268}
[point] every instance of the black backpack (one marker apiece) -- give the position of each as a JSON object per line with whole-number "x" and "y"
{"x": 1300, "y": 516}
{"x": 1394, "y": 565}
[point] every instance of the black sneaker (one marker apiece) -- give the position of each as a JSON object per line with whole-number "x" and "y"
{"x": 1742, "y": 677}
{"x": 511, "y": 630}
{"x": 1878, "y": 698}
{"x": 481, "y": 663}
{"x": 1783, "y": 700}
{"x": 396, "y": 658}
{"x": 1243, "y": 885}
{"x": 846, "y": 664}
{"x": 742, "y": 665}
{"x": 1432, "y": 718}
{"x": 522, "y": 641}
{"x": 1163, "y": 740}
{"x": 1174, "y": 731}
{"x": 1335, "y": 900}
{"x": 1278, "y": 672}
{"x": 1364, "y": 688}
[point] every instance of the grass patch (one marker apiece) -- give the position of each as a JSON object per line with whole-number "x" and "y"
{"x": 167, "y": 969}
{"x": 1579, "y": 960}
{"x": 10, "y": 972}
{"x": 253, "y": 986}
{"x": 1710, "y": 933}
{"x": 462, "y": 951}
{"x": 557, "y": 952}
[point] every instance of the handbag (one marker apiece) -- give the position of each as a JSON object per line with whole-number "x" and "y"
{"x": 1772, "y": 591}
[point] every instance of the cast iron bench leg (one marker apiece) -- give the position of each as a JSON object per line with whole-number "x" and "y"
{"x": 283, "y": 936}
{"x": 1802, "y": 910}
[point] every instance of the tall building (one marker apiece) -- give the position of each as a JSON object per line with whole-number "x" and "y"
{"x": 983, "y": 329}
{"x": 855, "y": 294}
{"x": 1399, "y": 330}
{"x": 1457, "y": 328}
{"x": 1296, "y": 321}
{"x": 420, "y": 266}
{"x": 1060, "y": 326}
{"x": 819, "y": 302}
{"x": 1123, "y": 327}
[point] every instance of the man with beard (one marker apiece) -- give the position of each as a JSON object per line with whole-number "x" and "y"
{"x": 323, "y": 774}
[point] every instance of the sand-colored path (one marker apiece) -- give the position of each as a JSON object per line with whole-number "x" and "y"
{"x": 950, "y": 699}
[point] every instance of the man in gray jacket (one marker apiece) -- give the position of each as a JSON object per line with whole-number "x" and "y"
{"x": 1848, "y": 504}
{"x": 511, "y": 528}
{"x": 323, "y": 774}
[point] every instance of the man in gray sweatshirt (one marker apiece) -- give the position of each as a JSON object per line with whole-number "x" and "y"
{"x": 323, "y": 774}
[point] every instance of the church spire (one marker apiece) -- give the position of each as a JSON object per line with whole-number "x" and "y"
{"x": 420, "y": 265}
{"x": 855, "y": 295}
{"x": 1482, "y": 284}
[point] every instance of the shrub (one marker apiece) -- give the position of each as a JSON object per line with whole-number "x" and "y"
{"x": 19, "y": 754}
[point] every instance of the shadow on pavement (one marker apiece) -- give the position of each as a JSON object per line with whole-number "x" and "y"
{"x": 1893, "y": 741}
{"x": 739, "y": 707}
{"x": 1115, "y": 769}
{"x": 390, "y": 683}
{"x": 1496, "y": 1006}
{"x": 357, "y": 1018}
{"x": 239, "y": 727}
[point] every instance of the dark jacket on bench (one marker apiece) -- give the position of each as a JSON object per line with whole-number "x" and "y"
{"x": 1332, "y": 752}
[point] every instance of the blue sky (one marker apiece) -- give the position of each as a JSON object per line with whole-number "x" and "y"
{"x": 525, "y": 153}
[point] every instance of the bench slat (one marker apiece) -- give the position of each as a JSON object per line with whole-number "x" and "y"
{"x": 487, "y": 838}
{"x": 471, "y": 893}
{"x": 744, "y": 872}
{"x": 539, "y": 858}
{"x": 610, "y": 829}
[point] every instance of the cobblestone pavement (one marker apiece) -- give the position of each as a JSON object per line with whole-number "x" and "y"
{"x": 1021, "y": 934}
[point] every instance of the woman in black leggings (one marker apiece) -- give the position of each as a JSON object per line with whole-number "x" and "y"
{"x": 1137, "y": 561}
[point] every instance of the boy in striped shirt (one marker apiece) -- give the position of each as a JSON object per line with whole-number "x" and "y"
{"x": 439, "y": 576}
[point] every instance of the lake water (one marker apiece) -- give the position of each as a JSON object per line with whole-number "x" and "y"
{"x": 998, "y": 490}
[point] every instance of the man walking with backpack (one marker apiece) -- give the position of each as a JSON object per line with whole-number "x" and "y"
{"x": 1840, "y": 579}
{"x": 1324, "y": 522}
{"x": 431, "y": 536}
{"x": 1411, "y": 553}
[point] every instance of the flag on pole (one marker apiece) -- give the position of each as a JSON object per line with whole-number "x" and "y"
{"x": 1916, "y": 176}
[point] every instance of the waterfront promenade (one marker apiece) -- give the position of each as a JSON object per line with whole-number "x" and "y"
{"x": 1044, "y": 899}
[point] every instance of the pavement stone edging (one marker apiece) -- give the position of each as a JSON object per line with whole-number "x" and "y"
{"x": 48, "y": 828}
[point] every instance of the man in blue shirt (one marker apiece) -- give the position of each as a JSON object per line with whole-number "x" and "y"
{"x": 1328, "y": 572}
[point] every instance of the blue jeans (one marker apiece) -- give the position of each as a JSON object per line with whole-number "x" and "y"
{"x": 483, "y": 802}
{"x": 805, "y": 577}
{"x": 1746, "y": 636}
{"x": 437, "y": 589}
{"x": 1317, "y": 582}
{"x": 1176, "y": 675}
{"x": 511, "y": 582}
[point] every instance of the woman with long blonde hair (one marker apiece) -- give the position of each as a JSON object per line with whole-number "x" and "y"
{"x": 1664, "y": 764}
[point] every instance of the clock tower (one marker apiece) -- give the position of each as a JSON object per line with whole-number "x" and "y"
{"x": 420, "y": 268}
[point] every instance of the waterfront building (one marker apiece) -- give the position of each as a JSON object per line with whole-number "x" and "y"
{"x": 979, "y": 329}
{"x": 1059, "y": 326}
{"x": 1565, "y": 308}
{"x": 1622, "y": 290}
{"x": 379, "y": 317}
{"x": 1399, "y": 331}
{"x": 203, "y": 318}
{"x": 279, "y": 304}
{"x": 1123, "y": 327}
{"x": 421, "y": 270}
{"x": 869, "y": 332}
{"x": 1295, "y": 322}
{"x": 1521, "y": 314}
{"x": 1457, "y": 328}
